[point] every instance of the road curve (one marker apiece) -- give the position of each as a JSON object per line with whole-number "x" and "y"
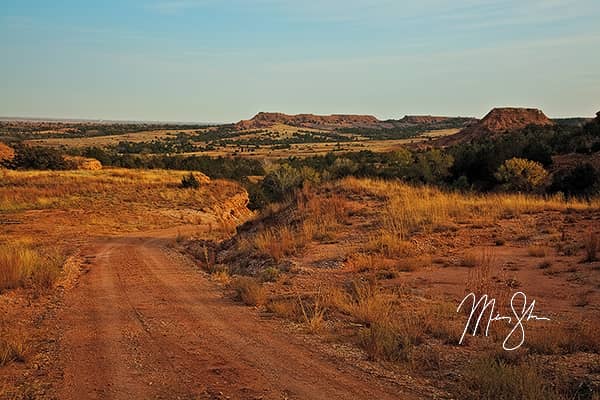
{"x": 143, "y": 323}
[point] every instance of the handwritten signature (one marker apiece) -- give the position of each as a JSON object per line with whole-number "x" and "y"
{"x": 485, "y": 305}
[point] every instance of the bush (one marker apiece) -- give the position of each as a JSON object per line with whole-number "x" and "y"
{"x": 381, "y": 341}
{"x": 582, "y": 180}
{"x": 490, "y": 378}
{"x": 284, "y": 180}
{"x": 28, "y": 157}
{"x": 521, "y": 175}
{"x": 343, "y": 167}
{"x": 190, "y": 182}
{"x": 433, "y": 166}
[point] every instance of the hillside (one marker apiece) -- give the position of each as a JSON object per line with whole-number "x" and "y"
{"x": 345, "y": 121}
{"x": 378, "y": 268}
{"x": 498, "y": 121}
{"x": 6, "y": 153}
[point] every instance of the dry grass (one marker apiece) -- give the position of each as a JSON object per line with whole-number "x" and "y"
{"x": 313, "y": 315}
{"x": 367, "y": 304}
{"x": 17, "y": 263}
{"x": 286, "y": 308}
{"x": 381, "y": 341}
{"x": 565, "y": 338}
{"x": 480, "y": 278}
{"x": 322, "y": 215}
{"x": 367, "y": 262}
{"x": 222, "y": 276}
{"x": 12, "y": 348}
{"x": 387, "y": 243}
{"x": 21, "y": 266}
{"x": 386, "y": 333}
{"x": 411, "y": 208}
{"x": 109, "y": 201}
{"x": 270, "y": 274}
{"x": 489, "y": 378}
{"x": 278, "y": 242}
{"x": 537, "y": 251}
{"x": 441, "y": 322}
{"x": 249, "y": 291}
{"x": 591, "y": 245}
{"x": 393, "y": 336}
{"x": 384, "y": 323}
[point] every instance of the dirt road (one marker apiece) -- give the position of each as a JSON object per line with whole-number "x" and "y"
{"x": 143, "y": 323}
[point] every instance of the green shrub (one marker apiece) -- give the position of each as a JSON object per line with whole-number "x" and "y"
{"x": 31, "y": 157}
{"x": 520, "y": 174}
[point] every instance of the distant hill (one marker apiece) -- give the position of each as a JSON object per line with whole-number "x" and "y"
{"x": 423, "y": 119}
{"x": 264, "y": 120}
{"x": 498, "y": 121}
{"x": 268, "y": 119}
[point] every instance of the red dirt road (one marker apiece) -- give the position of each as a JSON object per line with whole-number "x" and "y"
{"x": 143, "y": 323}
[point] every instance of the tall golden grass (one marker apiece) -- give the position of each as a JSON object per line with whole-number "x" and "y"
{"x": 317, "y": 217}
{"x": 22, "y": 266}
{"x": 408, "y": 209}
{"x": 428, "y": 205}
{"x": 23, "y": 190}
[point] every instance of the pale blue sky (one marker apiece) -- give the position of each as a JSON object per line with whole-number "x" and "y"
{"x": 224, "y": 60}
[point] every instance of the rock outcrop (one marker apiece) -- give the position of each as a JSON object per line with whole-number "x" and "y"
{"x": 498, "y": 121}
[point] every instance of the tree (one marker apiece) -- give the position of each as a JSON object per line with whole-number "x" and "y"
{"x": 343, "y": 167}
{"x": 433, "y": 166}
{"x": 582, "y": 180}
{"x": 522, "y": 175}
{"x": 27, "y": 157}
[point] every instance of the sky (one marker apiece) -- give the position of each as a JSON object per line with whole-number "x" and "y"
{"x": 225, "y": 60}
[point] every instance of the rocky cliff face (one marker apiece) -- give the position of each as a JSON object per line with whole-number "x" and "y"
{"x": 511, "y": 119}
{"x": 266, "y": 120}
{"x": 498, "y": 121}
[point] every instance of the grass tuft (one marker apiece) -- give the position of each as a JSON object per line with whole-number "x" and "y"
{"x": 591, "y": 245}
{"x": 249, "y": 291}
{"x": 22, "y": 266}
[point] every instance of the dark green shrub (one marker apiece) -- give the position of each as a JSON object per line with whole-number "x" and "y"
{"x": 29, "y": 157}
{"x": 582, "y": 180}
